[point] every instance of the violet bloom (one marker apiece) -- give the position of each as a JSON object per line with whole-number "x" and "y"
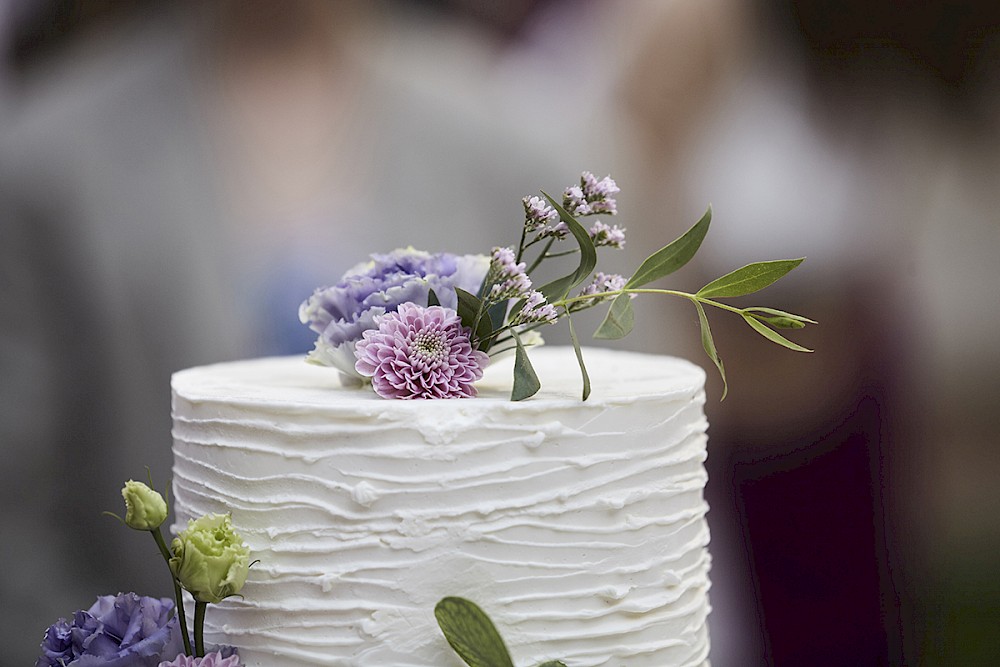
{"x": 342, "y": 313}
{"x": 420, "y": 352}
{"x": 117, "y": 631}
{"x": 602, "y": 282}
{"x": 214, "y": 659}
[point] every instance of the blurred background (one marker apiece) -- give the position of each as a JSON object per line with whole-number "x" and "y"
{"x": 176, "y": 177}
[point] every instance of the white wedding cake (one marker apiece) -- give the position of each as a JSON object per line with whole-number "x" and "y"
{"x": 578, "y": 527}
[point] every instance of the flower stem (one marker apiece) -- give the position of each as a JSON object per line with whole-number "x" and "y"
{"x": 199, "y": 628}
{"x": 542, "y": 255}
{"x": 178, "y": 595}
{"x": 607, "y": 295}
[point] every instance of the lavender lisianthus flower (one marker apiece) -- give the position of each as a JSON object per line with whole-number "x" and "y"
{"x": 342, "y": 313}
{"x": 117, "y": 631}
{"x": 213, "y": 659}
{"x": 420, "y": 352}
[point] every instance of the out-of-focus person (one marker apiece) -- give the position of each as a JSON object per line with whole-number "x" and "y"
{"x": 174, "y": 180}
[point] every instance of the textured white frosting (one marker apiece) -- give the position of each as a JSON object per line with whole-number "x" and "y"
{"x": 579, "y": 527}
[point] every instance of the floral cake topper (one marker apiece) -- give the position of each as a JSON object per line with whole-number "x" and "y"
{"x": 420, "y": 325}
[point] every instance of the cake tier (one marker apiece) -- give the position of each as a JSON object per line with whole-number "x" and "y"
{"x": 579, "y": 527}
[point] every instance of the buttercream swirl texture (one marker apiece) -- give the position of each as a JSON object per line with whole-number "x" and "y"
{"x": 579, "y": 527}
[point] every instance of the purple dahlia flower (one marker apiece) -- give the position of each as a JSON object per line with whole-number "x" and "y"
{"x": 117, "y": 631}
{"x": 342, "y": 313}
{"x": 420, "y": 353}
{"x": 214, "y": 659}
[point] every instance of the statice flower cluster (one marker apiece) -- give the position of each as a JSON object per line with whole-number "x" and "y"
{"x": 535, "y": 310}
{"x": 612, "y": 236}
{"x": 342, "y": 313}
{"x": 419, "y": 352}
{"x": 508, "y": 279}
{"x": 592, "y": 196}
{"x": 538, "y": 214}
{"x": 117, "y": 631}
{"x": 601, "y": 284}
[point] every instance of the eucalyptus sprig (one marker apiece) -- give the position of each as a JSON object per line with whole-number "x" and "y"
{"x": 504, "y": 311}
{"x": 472, "y": 635}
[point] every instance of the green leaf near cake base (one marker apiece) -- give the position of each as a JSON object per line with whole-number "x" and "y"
{"x": 709, "y": 344}
{"x": 559, "y": 288}
{"x": 526, "y": 383}
{"x": 673, "y": 256}
{"x": 748, "y": 279}
{"x": 579, "y": 357}
{"x": 772, "y": 335}
{"x": 619, "y": 321}
{"x": 471, "y": 633}
{"x": 553, "y": 663}
{"x": 432, "y": 299}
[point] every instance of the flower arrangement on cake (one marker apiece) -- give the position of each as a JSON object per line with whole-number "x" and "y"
{"x": 414, "y": 325}
{"x": 420, "y": 325}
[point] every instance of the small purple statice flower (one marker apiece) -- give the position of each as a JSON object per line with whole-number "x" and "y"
{"x": 117, "y": 631}
{"x": 342, "y": 313}
{"x": 592, "y": 196}
{"x": 419, "y": 352}
{"x": 535, "y": 309}
{"x": 509, "y": 281}
{"x": 538, "y": 213}
{"x": 558, "y": 230}
{"x": 214, "y": 659}
{"x": 607, "y": 235}
{"x": 602, "y": 282}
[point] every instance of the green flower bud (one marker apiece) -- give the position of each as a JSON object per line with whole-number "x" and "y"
{"x": 145, "y": 509}
{"x": 210, "y": 559}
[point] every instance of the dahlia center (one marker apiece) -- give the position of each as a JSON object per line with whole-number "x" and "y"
{"x": 429, "y": 347}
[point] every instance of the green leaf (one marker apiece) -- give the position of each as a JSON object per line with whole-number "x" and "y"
{"x": 588, "y": 252}
{"x": 471, "y": 633}
{"x": 673, "y": 256}
{"x": 526, "y": 382}
{"x": 779, "y": 313}
{"x": 709, "y": 344}
{"x": 560, "y": 287}
{"x": 748, "y": 279}
{"x": 781, "y": 322}
{"x": 771, "y": 335}
{"x": 579, "y": 358}
{"x": 553, "y": 663}
{"x": 468, "y": 307}
{"x": 619, "y": 320}
{"x": 432, "y": 299}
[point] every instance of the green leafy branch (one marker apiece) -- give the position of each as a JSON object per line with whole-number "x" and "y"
{"x": 493, "y": 326}
{"x": 472, "y": 635}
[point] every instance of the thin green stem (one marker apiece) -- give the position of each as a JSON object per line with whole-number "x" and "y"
{"x": 178, "y": 594}
{"x": 199, "y": 628}
{"x": 684, "y": 295}
{"x": 542, "y": 255}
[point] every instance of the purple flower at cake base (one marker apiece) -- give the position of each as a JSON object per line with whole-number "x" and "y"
{"x": 117, "y": 631}
{"x": 214, "y": 659}
{"x": 342, "y": 313}
{"x": 420, "y": 352}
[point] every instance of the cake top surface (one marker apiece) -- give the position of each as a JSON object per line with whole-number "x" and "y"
{"x": 615, "y": 376}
